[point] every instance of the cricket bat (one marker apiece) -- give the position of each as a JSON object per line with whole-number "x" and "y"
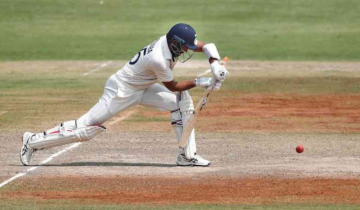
{"x": 192, "y": 119}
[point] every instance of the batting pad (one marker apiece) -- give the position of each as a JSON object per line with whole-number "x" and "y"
{"x": 65, "y": 136}
{"x": 179, "y": 119}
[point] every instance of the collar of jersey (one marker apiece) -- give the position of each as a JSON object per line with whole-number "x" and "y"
{"x": 166, "y": 50}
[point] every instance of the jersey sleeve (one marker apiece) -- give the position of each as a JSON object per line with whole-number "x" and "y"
{"x": 162, "y": 70}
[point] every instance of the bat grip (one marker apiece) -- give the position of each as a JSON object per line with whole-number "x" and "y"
{"x": 224, "y": 61}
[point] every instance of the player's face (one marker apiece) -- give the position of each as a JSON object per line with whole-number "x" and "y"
{"x": 180, "y": 51}
{"x": 185, "y": 54}
{"x": 184, "y": 48}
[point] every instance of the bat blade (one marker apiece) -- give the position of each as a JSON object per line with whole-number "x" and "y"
{"x": 190, "y": 124}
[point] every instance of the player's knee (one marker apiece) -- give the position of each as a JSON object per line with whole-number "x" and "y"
{"x": 80, "y": 130}
{"x": 89, "y": 132}
{"x": 83, "y": 121}
{"x": 70, "y": 125}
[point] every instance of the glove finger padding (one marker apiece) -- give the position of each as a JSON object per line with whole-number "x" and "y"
{"x": 204, "y": 82}
{"x": 217, "y": 86}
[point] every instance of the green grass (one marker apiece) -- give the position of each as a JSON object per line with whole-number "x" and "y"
{"x": 117, "y": 29}
{"x": 141, "y": 118}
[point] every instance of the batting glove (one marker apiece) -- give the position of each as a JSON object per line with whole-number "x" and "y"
{"x": 219, "y": 71}
{"x": 204, "y": 82}
{"x": 217, "y": 86}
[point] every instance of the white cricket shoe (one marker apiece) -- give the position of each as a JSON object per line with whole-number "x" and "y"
{"x": 196, "y": 161}
{"x": 26, "y": 152}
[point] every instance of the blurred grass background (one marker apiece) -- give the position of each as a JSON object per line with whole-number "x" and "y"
{"x": 242, "y": 29}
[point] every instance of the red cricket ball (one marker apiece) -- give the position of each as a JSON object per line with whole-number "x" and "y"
{"x": 300, "y": 149}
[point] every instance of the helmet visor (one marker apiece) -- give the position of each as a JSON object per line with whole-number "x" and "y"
{"x": 182, "y": 55}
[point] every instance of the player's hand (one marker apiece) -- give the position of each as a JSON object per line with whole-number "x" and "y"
{"x": 204, "y": 82}
{"x": 219, "y": 71}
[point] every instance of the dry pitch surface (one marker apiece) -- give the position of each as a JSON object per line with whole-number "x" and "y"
{"x": 249, "y": 137}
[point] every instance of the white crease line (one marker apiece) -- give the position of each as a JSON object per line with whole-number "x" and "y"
{"x": 98, "y": 68}
{"x": 12, "y": 178}
{"x": 42, "y": 163}
{"x": 59, "y": 153}
{"x": 126, "y": 115}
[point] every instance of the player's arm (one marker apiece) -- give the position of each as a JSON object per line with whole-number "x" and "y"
{"x": 179, "y": 86}
{"x": 219, "y": 71}
{"x": 174, "y": 86}
{"x": 200, "y": 45}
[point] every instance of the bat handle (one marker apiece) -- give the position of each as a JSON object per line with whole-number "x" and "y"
{"x": 224, "y": 61}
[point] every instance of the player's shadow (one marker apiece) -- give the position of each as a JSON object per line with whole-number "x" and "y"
{"x": 114, "y": 164}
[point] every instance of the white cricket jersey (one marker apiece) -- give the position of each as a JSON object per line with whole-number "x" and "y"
{"x": 153, "y": 63}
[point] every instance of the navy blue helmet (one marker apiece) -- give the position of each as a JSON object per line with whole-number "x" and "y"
{"x": 179, "y": 35}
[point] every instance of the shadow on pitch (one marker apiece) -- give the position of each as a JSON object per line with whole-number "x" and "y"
{"x": 114, "y": 164}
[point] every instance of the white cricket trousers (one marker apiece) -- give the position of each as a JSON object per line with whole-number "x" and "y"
{"x": 119, "y": 96}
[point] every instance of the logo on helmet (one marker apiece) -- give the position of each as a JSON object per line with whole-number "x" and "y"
{"x": 179, "y": 39}
{"x": 195, "y": 40}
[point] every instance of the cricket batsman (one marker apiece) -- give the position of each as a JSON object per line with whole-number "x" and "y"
{"x": 136, "y": 84}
